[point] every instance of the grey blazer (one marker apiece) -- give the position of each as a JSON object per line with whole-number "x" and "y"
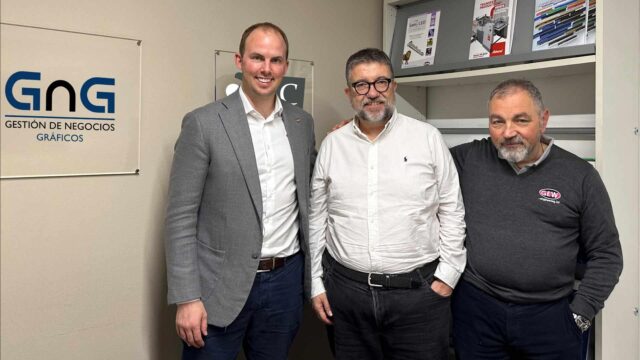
{"x": 214, "y": 215}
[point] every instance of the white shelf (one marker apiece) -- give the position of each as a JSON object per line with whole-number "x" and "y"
{"x": 534, "y": 70}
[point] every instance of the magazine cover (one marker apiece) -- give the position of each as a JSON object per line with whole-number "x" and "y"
{"x": 561, "y": 23}
{"x": 492, "y": 28}
{"x": 420, "y": 40}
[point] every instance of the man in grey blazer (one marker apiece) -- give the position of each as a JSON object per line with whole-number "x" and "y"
{"x": 236, "y": 225}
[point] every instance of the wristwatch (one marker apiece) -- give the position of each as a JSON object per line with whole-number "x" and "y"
{"x": 582, "y": 322}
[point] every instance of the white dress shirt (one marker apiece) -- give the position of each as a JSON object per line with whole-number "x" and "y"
{"x": 389, "y": 205}
{"x": 276, "y": 172}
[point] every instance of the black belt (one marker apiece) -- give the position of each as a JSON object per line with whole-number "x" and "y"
{"x": 269, "y": 264}
{"x": 411, "y": 280}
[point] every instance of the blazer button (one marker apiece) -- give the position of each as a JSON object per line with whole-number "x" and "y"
{"x": 254, "y": 256}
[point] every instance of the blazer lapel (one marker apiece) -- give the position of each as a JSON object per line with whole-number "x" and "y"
{"x": 237, "y": 128}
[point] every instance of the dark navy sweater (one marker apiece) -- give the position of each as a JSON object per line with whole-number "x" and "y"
{"x": 524, "y": 232}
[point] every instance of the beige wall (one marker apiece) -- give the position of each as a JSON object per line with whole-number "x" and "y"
{"x": 82, "y": 259}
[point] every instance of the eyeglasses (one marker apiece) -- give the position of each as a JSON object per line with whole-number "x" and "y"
{"x": 362, "y": 87}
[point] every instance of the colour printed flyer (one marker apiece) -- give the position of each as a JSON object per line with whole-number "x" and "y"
{"x": 420, "y": 40}
{"x": 492, "y": 28}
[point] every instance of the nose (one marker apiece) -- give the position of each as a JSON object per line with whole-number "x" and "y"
{"x": 266, "y": 67}
{"x": 509, "y": 130}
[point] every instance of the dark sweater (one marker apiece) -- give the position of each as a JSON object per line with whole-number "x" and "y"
{"x": 524, "y": 232}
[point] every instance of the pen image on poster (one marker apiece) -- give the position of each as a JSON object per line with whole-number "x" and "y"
{"x": 420, "y": 40}
{"x": 563, "y": 23}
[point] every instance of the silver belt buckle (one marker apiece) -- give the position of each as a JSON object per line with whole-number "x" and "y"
{"x": 369, "y": 280}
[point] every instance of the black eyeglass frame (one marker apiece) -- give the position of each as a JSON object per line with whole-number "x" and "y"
{"x": 388, "y": 80}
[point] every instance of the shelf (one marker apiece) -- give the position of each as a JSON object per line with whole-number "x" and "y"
{"x": 534, "y": 70}
{"x": 397, "y": 3}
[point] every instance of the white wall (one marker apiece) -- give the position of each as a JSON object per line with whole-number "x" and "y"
{"x": 82, "y": 260}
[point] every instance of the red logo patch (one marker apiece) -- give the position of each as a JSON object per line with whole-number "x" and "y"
{"x": 550, "y": 194}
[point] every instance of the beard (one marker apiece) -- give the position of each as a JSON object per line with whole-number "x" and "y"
{"x": 517, "y": 154}
{"x": 379, "y": 116}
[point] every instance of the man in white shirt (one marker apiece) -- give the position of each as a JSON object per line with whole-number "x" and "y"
{"x": 386, "y": 205}
{"x": 237, "y": 224}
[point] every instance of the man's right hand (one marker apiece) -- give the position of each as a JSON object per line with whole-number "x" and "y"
{"x": 322, "y": 308}
{"x": 339, "y": 125}
{"x": 191, "y": 323}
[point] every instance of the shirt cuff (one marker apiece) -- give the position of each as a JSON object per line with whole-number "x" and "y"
{"x": 447, "y": 274}
{"x": 188, "y": 301}
{"x": 317, "y": 287}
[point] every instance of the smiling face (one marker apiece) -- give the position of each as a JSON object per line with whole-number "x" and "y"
{"x": 263, "y": 64}
{"x": 516, "y": 126}
{"x": 374, "y": 106}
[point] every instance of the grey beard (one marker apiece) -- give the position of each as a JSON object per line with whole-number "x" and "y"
{"x": 514, "y": 156}
{"x": 386, "y": 115}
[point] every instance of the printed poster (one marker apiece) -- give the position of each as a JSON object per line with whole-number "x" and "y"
{"x": 563, "y": 23}
{"x": 420, "y": 40}
{"x": 492, "y": 28}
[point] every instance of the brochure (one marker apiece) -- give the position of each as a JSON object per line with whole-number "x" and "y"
{"x": 492, "y": 28}
{"x": 562, "y": 23}
{"x": 420, "y": 40}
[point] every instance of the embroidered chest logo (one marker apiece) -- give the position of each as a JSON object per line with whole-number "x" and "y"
{"x": 550, "y": 195}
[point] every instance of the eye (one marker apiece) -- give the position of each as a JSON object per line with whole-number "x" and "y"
{"x": 361, "y": 86}
{"x": 382, "y": 82}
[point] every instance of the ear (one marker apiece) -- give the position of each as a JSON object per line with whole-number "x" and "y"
{"x": 393, "y": 85}
{"x": 347, "y": 91}
{"x": 238, "y": 60}
{"x": 544, "y": 120}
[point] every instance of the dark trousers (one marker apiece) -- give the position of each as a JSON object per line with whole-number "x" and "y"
{"x": 487, "y": 328}
{"x": 376, "y": 323}
{"x": 267, "y": 324}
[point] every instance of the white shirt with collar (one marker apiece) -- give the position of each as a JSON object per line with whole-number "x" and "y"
{"x": 389, "y": 205}
{"x": 277, "y": 182}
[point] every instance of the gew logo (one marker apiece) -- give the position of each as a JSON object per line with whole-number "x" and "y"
{"x": 35, "y": 93}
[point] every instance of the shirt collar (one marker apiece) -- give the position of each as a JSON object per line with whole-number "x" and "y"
{"x": 249, "y": 109}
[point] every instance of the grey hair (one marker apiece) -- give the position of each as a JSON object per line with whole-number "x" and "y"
{"x": 364, "y": 56}
{"x": 508, "y": 87}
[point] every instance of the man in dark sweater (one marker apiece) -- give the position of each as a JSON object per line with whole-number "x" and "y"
{"x": 531, "y": 209}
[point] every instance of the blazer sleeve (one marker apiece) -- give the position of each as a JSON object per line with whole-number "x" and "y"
{"x": 188, "y": 175}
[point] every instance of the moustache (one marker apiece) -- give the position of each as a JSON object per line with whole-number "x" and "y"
{"x": 374, "y": 101}
{"x": 514, "y": 141}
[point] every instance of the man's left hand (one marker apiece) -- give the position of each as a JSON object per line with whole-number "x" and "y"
{"x": 441, "y": 288}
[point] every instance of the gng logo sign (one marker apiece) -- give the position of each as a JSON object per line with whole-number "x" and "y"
{"x": 69, "y": 103}
{"x": 25, "y": 93}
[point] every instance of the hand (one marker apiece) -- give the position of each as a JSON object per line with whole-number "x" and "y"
{"x": 441, "y": 288}
{"x": 322, "y": 308}
{"x": 340, "y": 124}
{"x": 191, "y": 323}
